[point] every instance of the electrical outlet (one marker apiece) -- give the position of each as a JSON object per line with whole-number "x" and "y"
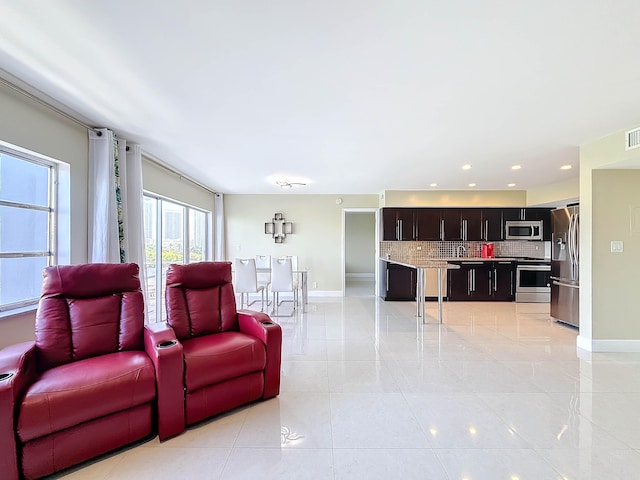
{"x": 617, "y": 246}
{"x": 314, "y": 285}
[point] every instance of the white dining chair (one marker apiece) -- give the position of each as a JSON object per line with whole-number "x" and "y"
{"x": 297, "y": 285}
{"x": 246, "y": 281}
{"x": 263, "y": 262}
{"x": 282, "y": 281}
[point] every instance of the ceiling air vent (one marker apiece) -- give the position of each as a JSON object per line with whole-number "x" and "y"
{"x": 632, "y": 139}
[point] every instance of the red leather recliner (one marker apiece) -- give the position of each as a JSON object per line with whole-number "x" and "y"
{"x": 87, "y": 384}
{"x": 230, "y": 357}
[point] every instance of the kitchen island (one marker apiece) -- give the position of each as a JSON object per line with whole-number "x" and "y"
{"x": 421, "y": 266}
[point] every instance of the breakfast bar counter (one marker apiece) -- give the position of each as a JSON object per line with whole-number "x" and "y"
{"x": 421, "y": 267}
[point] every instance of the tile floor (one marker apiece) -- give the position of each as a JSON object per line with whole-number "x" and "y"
{"x": 496, "y": 392}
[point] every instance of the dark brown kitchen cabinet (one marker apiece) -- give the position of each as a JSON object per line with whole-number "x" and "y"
{"x": 543, "y": 214}
{"x": 512, "y": 214}
{"x": 471, "y": 282}
{"x": 481, "y": 281}
{"x": 462, "y": 224}
{"x": 452, "y": 224}
{"x": 398, "y": 224}
{"x": 428, "y": 223}
{"x": 492, "y": 230}
{"x": 503, "y": 279}
{"x": 401, "y": 282}
{"x": 471, "y": 219}
{"x": 389, "y": 230}
{"x": 458, "y": 283}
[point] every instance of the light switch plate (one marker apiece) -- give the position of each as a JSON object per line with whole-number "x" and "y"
{"x": 617, "y": 246}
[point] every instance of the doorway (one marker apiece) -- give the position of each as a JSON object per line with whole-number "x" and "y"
{"x": 359, "y": 251}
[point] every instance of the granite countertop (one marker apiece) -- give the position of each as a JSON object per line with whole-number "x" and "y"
{"x": 420, "y": 263}
{"x": 444, "y": 261}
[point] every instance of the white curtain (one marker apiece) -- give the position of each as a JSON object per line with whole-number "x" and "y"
{"x": 103, "y": 234}
{"x": 116, "y": 229}
{"x": 219, "y": 253}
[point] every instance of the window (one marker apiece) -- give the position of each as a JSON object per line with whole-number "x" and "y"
{"x": 27, "y": 225}
{"x": 174, "y": 233}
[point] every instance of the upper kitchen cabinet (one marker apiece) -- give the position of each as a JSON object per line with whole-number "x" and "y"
{"x": 543, "y": 214}
{"x": 428, "y": 223}
{"x": 471, "y": 224}
{"x": 492, "y": 230}
{"x": 398, "y": 224}
{"x": 462, "y": 224}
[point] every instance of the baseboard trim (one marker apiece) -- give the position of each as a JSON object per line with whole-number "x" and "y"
{"x": 608, "y": 346}
{"x": 325, "y": 293}
{"x": 360, "y": 276}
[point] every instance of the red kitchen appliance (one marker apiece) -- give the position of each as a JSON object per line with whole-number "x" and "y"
{"x": 487, "y": 250}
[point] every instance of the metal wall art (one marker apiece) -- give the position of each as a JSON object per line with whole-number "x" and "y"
{"x": 278, "y": 228}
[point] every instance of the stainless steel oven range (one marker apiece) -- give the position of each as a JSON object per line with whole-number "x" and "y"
{"x": 533, "y": 281}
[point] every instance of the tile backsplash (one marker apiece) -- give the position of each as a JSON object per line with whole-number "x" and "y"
{"x": 427, "y": 250}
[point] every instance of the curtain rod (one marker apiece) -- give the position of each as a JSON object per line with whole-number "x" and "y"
{"x": 42, "y": 102}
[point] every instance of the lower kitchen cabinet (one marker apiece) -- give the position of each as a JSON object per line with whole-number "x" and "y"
{"x": 503, "y": 281}
{"x": 481, "y": 281}
{"x": 401, "y": 282}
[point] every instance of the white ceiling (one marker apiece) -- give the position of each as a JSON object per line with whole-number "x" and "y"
{"x": 348, "y": 96}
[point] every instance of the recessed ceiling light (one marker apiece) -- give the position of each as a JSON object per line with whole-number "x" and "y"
{"x": 472, "y": 184}
{"x": 511, "y": 185}
{"x": 516, "y": 167}
{"x": 433, "y": 185}
{"x": 565, "y": 167}
{"x": 466, "y": 167}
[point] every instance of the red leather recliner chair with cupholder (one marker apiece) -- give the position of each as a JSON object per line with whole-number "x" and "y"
{"x": 231, "y": 357}
{"x": 95, "y": 378}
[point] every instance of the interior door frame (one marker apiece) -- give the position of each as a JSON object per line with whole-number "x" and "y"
{"x": 343, "y": 247}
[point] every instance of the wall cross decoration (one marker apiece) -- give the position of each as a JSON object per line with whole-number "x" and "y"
{"x": 278, "y": 228}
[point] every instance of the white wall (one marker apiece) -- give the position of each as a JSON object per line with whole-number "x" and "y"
{"x": 454, "y": 198}
{"x": 30, "y": 125}
{"x": 608, "y": 319}
{"x": 317, "y": 231}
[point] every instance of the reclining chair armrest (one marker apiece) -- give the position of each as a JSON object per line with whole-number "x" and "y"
{"x": 260, "y": 325}
{"x": 165, "y": 351}
{"x": 17, "y": 371}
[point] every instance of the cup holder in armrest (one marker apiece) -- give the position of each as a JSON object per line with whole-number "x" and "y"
{"x": 5, "y": 376}
{"x": 267, "y": 323}
{"x": 166, "y": 344}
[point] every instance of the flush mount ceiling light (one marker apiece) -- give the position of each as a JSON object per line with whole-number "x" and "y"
{"x": 516, "y": 167}
{"x": 565, "y": 167}
{"x": 285, "y": 184}
{"x": 511, "y": 185}
{"x": 472, "y": 184}
{"x": 466, "y": 167}
{"x": 433, "y": 185}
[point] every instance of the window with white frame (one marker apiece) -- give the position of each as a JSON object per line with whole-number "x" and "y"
{"x": 28, "y": 219}
{"x": 174, "y": 233}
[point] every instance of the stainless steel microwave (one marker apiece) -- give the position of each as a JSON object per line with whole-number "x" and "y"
{"x": 523, "y": 230}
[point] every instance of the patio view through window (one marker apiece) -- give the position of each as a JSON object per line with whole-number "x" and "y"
{"x": 180, "y": 236}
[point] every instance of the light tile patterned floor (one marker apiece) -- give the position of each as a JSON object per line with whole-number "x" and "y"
{"x": 496, "y": 392}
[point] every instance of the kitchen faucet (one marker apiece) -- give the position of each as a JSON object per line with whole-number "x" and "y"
{"x": 460, "y": 247}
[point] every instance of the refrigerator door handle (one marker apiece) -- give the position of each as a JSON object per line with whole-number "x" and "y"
{"x": 562, "y": 284}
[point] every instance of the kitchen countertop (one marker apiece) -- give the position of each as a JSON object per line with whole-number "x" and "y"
{"x": 420, "y": 263}
{"x": 410, "y": 261}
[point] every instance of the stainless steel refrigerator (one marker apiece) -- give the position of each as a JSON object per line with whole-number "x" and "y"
{"x": 565, "y": 264}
